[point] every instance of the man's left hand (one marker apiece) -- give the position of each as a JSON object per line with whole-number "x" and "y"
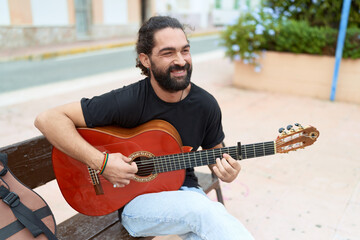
{"x": 226, "y": 168}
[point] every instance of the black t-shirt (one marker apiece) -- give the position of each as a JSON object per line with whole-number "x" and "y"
{"x": 197, "y": 118}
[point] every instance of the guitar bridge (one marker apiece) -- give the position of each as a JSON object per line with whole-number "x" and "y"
{"x": 95, "y": 181}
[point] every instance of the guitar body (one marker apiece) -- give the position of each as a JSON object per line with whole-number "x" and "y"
{"x": 76, "y": 180}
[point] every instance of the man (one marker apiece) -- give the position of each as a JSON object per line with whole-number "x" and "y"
{"x": 167, "y": 94}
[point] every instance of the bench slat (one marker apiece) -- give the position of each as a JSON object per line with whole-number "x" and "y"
{"x": 87, "y": 227}
{"x": 30, "y": 161}
{"x": 117, "y": 232}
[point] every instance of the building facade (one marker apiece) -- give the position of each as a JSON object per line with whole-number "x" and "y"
{"x": 40, "y": 22}
{"x": 25, "y": 23}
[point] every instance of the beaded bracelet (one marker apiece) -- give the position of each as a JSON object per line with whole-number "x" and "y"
{"x": 106, "y": 158}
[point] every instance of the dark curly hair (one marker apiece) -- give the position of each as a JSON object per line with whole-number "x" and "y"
{"x": 145, "y": 41}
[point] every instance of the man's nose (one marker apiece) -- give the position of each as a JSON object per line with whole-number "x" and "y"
{"x": 179, "y": 59}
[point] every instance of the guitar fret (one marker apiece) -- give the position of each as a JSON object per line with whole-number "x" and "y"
{"x": 196, "y": 157}
{"x": 171, "y": 164}
{"x": 156, "y": 168}
{"x": 177, "y": 163}
{"x": 237, "y": 154}
{"x": 189, "y": 164}
{"x": 161, "y": 164}
{"x": 213, "y": 155}
{"x": 164, "y": 163}
{"x": 263, "y": 148}
{"x": 257, "y": 150}
{"x": 245, "y": 154}
{"x": 207, "y": 155}
{"x": 174, "y": 164}
{"x": 167, "y": 163}
{"x": 183, "y": 159}
{"x": 157, "y": 164}
{"x": 182, "y": 162}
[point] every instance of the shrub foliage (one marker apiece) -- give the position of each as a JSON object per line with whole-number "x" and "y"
{"x": 301, "y": 26}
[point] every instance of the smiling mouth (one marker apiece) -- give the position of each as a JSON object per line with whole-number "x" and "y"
{"x": 178, "y": 73}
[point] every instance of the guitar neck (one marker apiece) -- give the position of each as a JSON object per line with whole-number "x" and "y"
{"x": 179, "y": 161}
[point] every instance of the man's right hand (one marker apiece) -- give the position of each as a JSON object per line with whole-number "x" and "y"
{"x": 119, "y": 170}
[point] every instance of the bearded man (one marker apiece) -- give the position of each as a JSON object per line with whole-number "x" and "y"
{"x": 163, "y": 55}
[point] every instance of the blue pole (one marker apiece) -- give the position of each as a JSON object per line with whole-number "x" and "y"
{"x": 340, "y": 44}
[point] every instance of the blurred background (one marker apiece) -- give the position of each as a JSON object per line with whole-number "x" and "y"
{"x": 27, "y": 23}
{"x": 268, "y": 63}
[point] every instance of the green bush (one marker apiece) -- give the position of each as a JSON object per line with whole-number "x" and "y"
{"x": 316, "y": 12}
{"x": 299, "y": 37}
{"x": 267, "y": 29}
{"x": 352, "y": 43}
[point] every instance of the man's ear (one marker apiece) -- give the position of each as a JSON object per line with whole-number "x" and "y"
{"x": 145, "y": 60}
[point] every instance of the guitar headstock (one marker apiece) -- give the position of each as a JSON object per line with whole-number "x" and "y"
{"x": 295, "y": 137}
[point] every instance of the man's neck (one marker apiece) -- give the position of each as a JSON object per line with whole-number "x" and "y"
{"x": 166, "y": 96}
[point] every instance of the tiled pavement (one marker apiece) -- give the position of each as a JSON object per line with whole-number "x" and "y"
{"x": 308, "y": 194}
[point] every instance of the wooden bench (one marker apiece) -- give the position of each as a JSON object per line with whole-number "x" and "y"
{"x": 30, "y": 161}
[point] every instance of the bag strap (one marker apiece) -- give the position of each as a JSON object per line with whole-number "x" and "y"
{"x": 24, "y": 214}
{"x": 17, "y": 226}
{"x": 4, "y": 160}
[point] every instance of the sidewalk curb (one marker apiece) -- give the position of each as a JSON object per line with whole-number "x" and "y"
{"x": 53, "y": 54}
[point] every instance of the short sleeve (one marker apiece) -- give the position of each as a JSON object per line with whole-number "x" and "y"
{"x": 100, "y": 110}
{"x": 122, "y": 107}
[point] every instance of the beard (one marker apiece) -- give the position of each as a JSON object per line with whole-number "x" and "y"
{"x": 172, "y": 84}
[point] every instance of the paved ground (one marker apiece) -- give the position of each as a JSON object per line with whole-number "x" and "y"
{"x": 309, "y": 194}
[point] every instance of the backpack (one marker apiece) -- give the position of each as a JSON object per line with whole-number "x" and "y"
{"x": 23, "y": 213}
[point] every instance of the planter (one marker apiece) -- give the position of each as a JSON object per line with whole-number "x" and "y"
{"x": 301, "y": 74}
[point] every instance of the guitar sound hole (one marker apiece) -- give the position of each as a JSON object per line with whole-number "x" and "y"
{"x": 145, "y": 166}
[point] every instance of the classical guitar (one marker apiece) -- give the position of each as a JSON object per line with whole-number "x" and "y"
{"x": 161, "y": 159}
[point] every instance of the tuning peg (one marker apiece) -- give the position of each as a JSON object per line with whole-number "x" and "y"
{"x": 290, "y": 128}
{"x": 281, "y": 130}
{"x": 299, "y": 126}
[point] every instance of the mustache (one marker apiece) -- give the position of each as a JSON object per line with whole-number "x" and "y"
{"x": 179, "y": 68}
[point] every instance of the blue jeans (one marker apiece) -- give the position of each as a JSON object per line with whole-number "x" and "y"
{"x": 188, "y": 213}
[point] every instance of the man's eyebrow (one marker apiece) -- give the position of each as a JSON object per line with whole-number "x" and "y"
{"x": 172, "y": 48}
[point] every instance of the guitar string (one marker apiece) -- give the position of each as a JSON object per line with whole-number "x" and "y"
{"x": 171, "y": 162}
{"x": 174, "y": 161}
{"x": 215, "y": 152}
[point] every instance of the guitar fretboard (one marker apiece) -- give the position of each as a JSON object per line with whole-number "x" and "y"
{"x": 206, "y": 157}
